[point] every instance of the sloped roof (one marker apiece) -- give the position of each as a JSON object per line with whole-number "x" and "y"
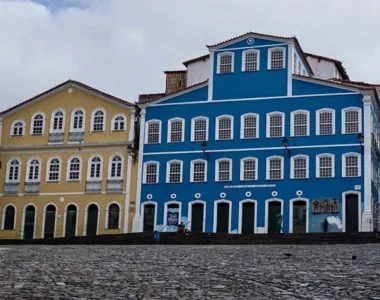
{"x": 66, "y": 84}
{"x": 338, "y": 64}
{"x": 147, "y": 98}
{"x": 203, "y": 57}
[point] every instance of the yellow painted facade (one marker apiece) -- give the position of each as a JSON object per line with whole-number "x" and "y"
{"x": 67, "y": 146}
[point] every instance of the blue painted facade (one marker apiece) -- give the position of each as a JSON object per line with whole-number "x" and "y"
{"x": 260, "y": 92}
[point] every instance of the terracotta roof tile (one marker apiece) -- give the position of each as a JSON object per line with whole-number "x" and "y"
{"x": 347, "y": 84}
{"x": 337, "y": 63}
{"x": 147, "y": 98}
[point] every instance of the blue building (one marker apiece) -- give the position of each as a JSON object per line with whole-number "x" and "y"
{"x": 255, "y": 128}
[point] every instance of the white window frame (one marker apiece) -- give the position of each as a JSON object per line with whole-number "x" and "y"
{"x": 168, "y": 170}
{"x": 157, "y": 174}
{"x": 242, "y": 118}
{"x": 270, "y": 57}
{"x": 147, "y": 133}
{"x": 110, "y": 167}
{"x": 72, "y": 120}
{"x": 332, "y": 165}
{"x": 242, "y": 168}
{"x": 217, "y": 127}
{"x": 93, "y": 119}
{"x": 318, "y": 114}
{"x": 292, "y": 123}
{"x": 217, "y": 169}
{"x": 28, "y": 166}
{"x": 43, "y": 123}
{"x": 68, "y": 168}
{"x": 89, "y": 178}
{"x": 268, "y": 165}
{"x": 52, "y": 117}
{"x": 232, "y": 61}
{"x": 108, "y": 213}
{"x": 182, "y": 120}
{"x": 114, "y": 119}
{"x": 192, "y": 169}
{"x": 292, "y": 170}
{"x": 193, "y": 120}
{"x": 352, "y": 108}
{"x": 8, "y": 170}
{"x": 13, "y": 127}
{"x": 344, "y": 172}
{"x": 269, "y": 115}
{"x": 244, "y": 56}
{"x": 48, "y": 169}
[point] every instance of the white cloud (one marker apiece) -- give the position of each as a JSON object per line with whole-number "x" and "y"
{"x": 123, "y": 47}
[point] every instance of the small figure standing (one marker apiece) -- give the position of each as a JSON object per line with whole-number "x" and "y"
{"x": 325, "y": 225}
{"x": 279, "y": 228}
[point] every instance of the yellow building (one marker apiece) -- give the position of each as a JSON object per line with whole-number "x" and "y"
{"x": 64, "y": 164}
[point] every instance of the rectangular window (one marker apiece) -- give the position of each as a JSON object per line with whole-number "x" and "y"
{"x": 151, "y": 173}
{"x": 38, "y": 125}
{"x": 153, "y": 133}
{"x": 249, "y": 171}
{"x": 224, "y": 170}
{"x": 275, "y": 125}
{"x": 54, "y": 172}
{"x": 175, "y": 172}
{"x": 251, "y": 61}
{"x": 199, "y": 172}
{"x": 300, "y": 124}
{"x": 275, "y": 168}
{"x": 352, "y": 121}
{"x": 326, "y": 123}
{"x": 277, "y": 59}
{"x": 176, "y": 131}
{"x": 224, "y": 128}
{"x": 225, "y": 63}
{"x": 325, "y": 167}
{"x": 250, "y": 127}
{"x": 300, "y": 168}
{"x": 352, "y": 166}
{"x": 74, "y": 171}
{"x": 200, "y": 130}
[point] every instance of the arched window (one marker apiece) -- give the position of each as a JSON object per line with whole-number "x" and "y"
{"x": 248, "y": 169}
{"x": 37, "y": 127}
{"x": 74, "y": 169}
{"x": 116, "y": 167}
{"x": 57, "y": 121}
{"x": 223, "y": 170}
{"x": 13, "y": 168}
{"x": 95, "y": 168}
{"x": 249, "y": 126}
{"x": 225, "y": 63}
{"x": 18, "y": 128}
{"x": 113, "y": 216}
{"x": 275, "y": 124}
{"x": 153, "y": 128}
{"x": 176, "y": 130}
{"x": 54, "y": 170}
{"x": 151, "y": 172}
{"x": 174, "y": 171}
{"x": 9, "y": 218}
{"x": 351, "y": 165}
{"x": 275, "y": 168}
{"x": 199, "y": 130}
{"x": 77, "y": 120}
{"x": 251, "y": 60}
{"x": 118, "y": 123}
{"x": 300, "y": 123}
{"x": 98, "y": 120}
{"x": 224, "y": 128}
{"x": 33, "y": 171}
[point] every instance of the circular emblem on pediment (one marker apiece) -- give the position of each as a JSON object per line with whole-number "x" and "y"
{"x": 149, "y": 196}
{"x": 299, "y": 193}
{"x": 274, "y": 194}
{"x": 173, "y": 196}
{"x": 61, "y": 199}
{"x": 250, "y": 41}
{"x": 70, "y": 90}
{"x": 222, "y": 195}
{"x": 197, "y": 195}
{"x": 248, "y": 194}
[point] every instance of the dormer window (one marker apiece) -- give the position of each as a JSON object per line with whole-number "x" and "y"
{"x": 276, "y": 59}
{"x": 225, "y": 63}
{"x": 251, "y": 60}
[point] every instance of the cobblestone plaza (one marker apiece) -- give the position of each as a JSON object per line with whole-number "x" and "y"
{"x": 190, "y": 272}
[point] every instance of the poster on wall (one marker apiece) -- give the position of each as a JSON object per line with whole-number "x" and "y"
{"x": 172, "y": 219}
{"x": 321, "y": 206}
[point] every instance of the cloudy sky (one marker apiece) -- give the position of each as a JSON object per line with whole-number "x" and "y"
{"x": 123, "y": 46}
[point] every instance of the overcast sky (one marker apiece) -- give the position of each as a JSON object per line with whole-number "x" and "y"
{"x": 122, "y": 47}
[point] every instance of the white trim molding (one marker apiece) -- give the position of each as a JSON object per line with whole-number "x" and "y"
{"x": 267, "y": 211}
{"x": 93, "y": 119}
{"x": 74, "y": 111}
{"x": 269, "y": 158}
{"x": 242, "y": 161}
{"x": 190, "y": 211}
{"x": 291, "y": 204}
{"x": 192, "y": 169}
{"x": 113, "y": 120}
{"x": 193, "y": 120}
{"x": 169, "y": 136}
{"x": 166, "y": 212}
{"x": 159, "y": 122}
{"x": 270, "y": 51}
{"x": 110, "y": 162}
{"x": 271, "y": 114}
{"x": 292, "y": 169}
{"x": 215, "y": 219}
{"x": 4, "y": 214}
{"x": 157, "y": 163}
{"x": 292, "y": 123}
{"x": 318, "y": 157}
{"x": 225, "y": 53}
{"x": 168, "y": 164}
{"x": 9, "y": 165}
{"x": 69, "y": 161}
{"x": 28, "y": 170}
{"x": 348, "y": 109}
{"x": 11, "y": 133}
{"x": 244, "y": 58}
{"x": 47, "y": 179}
{"x": 242, "y": 125}
{"x": 344, "y": 164}
{"x": 360, "y": 225}
{"x": 90, "y": 162}
{"x": 241, "y": 202}
{"x": 318, "y": 120}
{"x": 219, "y": 118}
{"x": 43, "y": 123}
{"x": 224, "y": 159}
{"x": 52, "y": 120}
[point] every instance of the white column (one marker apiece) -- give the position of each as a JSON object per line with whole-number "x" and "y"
{"x": 129, "y": 171}
{"x": 137, "y": 225}
{"x": 211, "y": 76}
{"x": 290, "y": 68}
{"x": 367, "y": 212}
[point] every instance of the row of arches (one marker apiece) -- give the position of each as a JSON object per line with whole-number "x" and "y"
{"x": 70, "y": 220}
{"x": 299, "y": 209}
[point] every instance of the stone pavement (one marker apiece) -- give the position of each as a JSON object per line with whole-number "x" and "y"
{"x": 190, "y": 272}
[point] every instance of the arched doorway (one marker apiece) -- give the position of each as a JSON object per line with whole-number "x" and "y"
{"x": 49, "y": 228}
{"x": 197, "y": 217}
{"x": 274, "y": 208}
{"x": 9, "y": 218}
{"x": 92, "y": 220}
{"x": 172, "y": 217}
{"x": 223, "y": 217}
{"x": 149, "y": 217}
{"x": 29, "y": 222}
{"x": 248, "y": 212}
{"x": 352, "y": 212}
{"x": 299, "y": 217}
{"x": 71, "y": 221}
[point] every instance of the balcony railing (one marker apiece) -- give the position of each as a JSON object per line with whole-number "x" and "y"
{"x": 56, "y": 137}
{"x": 76, "y": 137}
{"x": 115, "y": 186}
{"x": 11, "y": 188}
{"x": 94, "y": 187}
{"x": 32, "y": 188}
